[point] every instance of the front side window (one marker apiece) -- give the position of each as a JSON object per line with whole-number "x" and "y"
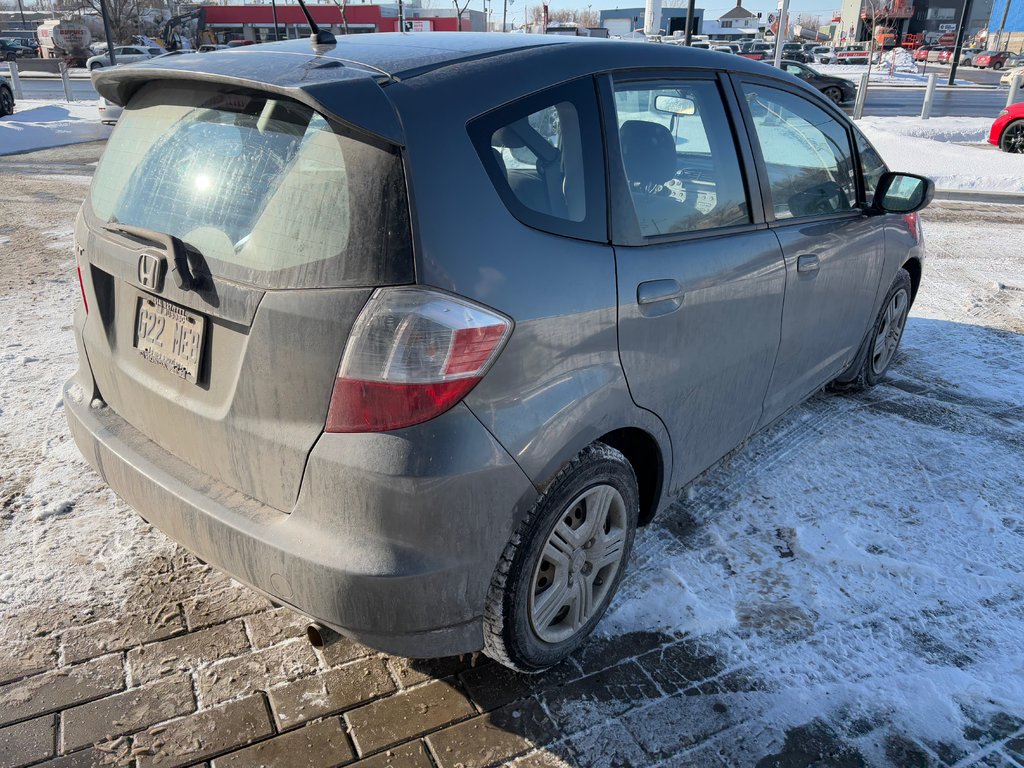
{"x": 679, "y": 157}
{"x": 806, "y": 152}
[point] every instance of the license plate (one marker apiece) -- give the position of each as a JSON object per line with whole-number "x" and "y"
{"x": 169, "y": 336}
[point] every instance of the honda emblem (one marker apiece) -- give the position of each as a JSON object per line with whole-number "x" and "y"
{"x": 151, "y": 271}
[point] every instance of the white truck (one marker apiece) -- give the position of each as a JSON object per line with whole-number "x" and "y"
{"x": 67, "y": 40}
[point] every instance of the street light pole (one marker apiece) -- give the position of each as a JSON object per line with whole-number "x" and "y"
{"x": 954, "y": 60}
{"x": 780, "y": 31}
{"x": 108, "y": 33}
{"x": 23, "y": 22}
{"x": 689, "y": 22}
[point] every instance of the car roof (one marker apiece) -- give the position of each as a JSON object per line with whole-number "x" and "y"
{"x": 363, "y": 63}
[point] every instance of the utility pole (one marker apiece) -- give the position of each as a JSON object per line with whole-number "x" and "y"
{"x": 504, "y": 16}
{"x": 107, "y": 32}
{"x": 689, "y": 22}
{"x": 780, "y": 32}
{"x": 277, "y": 32}
{"x": 965, "y": 19}
{"x": 23, "y": 22}
{"x": 1002, "y": 26}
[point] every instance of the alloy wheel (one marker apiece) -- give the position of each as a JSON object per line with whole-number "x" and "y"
{"x": 578, "y": 564}
{"x": 890, "y": 332}
{"x": 834, "y": 95}
{"x": 1013, "y": 138}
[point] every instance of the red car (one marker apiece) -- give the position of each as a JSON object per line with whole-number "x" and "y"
{"x": 1008, "y": 130}
{"x": 921, "y": 54}
{"x": 994, "y": 59}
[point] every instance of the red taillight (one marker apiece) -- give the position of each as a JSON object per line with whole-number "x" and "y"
{"x": 413, "y": 353}
{"x": 81, "y": 285}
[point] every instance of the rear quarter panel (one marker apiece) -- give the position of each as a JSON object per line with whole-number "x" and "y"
{"x": 558, "y": 385}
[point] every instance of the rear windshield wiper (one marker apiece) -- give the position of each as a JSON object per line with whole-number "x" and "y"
{"x": 182, "y": 255}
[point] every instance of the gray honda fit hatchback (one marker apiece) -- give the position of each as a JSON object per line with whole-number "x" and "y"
{"x": 411, "y": 332}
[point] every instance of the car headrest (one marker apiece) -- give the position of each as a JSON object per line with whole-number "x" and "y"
{"x": 507, "y": 137}
{"x": 648, "y": 152}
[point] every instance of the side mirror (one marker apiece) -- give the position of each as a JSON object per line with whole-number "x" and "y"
{"x": 903, "y": 192}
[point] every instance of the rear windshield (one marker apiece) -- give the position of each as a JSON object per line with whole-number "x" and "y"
{"x": 266, "y": 189}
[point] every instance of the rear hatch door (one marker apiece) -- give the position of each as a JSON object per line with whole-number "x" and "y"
{"x": 230, "y": 239}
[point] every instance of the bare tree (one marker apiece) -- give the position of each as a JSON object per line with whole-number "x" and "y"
{"x": 807, "y": 21}
{"x": 125, "y": 15}
{"x": 343, "y": 7}
{"x": 459, "y": 10}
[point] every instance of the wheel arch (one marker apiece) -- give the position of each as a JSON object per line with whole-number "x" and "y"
{"x": 644, "y": 454}
{"x": 913, "y": 266}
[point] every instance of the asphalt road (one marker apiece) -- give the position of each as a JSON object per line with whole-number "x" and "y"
{"x": 960, "y": 102}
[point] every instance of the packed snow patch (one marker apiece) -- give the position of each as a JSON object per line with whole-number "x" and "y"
{"x": 930, "y": 147}
{"x": 40, "y": 124}
{"x": 862, "y": 561}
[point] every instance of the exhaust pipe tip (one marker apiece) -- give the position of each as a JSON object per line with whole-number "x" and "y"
{"x": 320, "y": 636}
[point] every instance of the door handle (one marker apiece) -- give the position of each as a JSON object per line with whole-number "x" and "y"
{"x": 807, "y": 263}
{"x": 659, "y": 297}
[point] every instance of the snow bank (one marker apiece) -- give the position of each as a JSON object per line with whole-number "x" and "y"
{"x": 928, "y": 147}
{"x": 42, "y": 124}
{"x": 879, "y": 74}
{"x": 899, "y": 60}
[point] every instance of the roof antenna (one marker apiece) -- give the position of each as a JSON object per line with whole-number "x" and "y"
{"x": 318, "y": 36}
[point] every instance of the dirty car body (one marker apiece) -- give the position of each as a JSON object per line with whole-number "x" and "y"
{"x": 608, "y": 299}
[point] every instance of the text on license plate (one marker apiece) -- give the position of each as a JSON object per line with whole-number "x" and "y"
{"x": 169, "y": 336}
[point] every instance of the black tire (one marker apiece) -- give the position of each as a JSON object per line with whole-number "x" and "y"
{"x": 11, "y": 57}
{"x": 6, "y": 102}
{"x": 865, "y": 371}
{"x": 1012, "y": 139}
{"x": 95, "y": 65}
{"x": 509, "y": 634}
{"x": 833, "y": 94}
{"x": 997, "y": 65}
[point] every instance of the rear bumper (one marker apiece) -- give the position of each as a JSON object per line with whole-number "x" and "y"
{"x": 393, "y": 540}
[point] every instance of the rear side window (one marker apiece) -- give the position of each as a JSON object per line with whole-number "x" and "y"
{"x": 679, "y": 157}
{"x": 806, "y": 152}
{"x": 266, "y": 189}
{"x": 544, "y": 156}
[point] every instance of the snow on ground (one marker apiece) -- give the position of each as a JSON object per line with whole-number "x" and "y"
{"x": 880, "y": 74}
{"x": 861, "y": 562}
{"x": 40, "y": 124}
{"x": 932, "y": 147}
{"x": 863, "y": 559}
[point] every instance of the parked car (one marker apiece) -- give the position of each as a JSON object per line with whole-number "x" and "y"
{"x": 794, "y": 52}
{"x": 25, "y": 48}
{"x": 851, "y": 54}
{"x": 823, "y": 54}
{"x": 835, "y": 89}
{"x": 966, "y": 56}
{"x": 921, "y": 54}
{"x": 438, "y": 439}
{"x": 1007, "y": 131}
{"x": 125, "y": 54}
{"x": 1010, "y": 74}
{"x": 6, "y": 97}
{"x": 109, "y": 112}
{"x": 756, "y": 50}
{"x": 936, "y": 51}
{"x": 210, "y": 48}
{"x": 10, "y": 51}
{"x": 994, "y": 59}
{"x": 240, "y": 43}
